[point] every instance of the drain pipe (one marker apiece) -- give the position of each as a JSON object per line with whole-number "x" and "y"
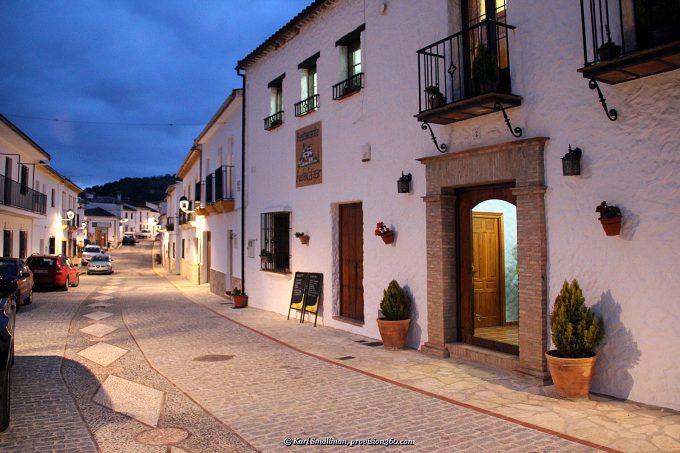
{"x": 243, "y": 178}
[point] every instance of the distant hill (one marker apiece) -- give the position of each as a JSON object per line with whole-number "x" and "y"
{"x": 150, "y": 188}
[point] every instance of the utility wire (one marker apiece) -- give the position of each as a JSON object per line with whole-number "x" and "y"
{"x": 108, "y": 123}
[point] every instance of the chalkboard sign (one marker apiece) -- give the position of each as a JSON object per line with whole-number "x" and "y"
{"x": 314, "y": 287}
{"x": 307, "y": 288}
{"x": 299, "y": 286}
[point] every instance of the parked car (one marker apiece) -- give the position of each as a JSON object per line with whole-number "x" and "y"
{"x": 100, "y": 264}
{"x": 89, "y": 251}
{"x": 8, "y": 308}
{"x": 15, "y": 269}
{"x": 144, "y": 234}
{"x": 53, "y": 270}
{"x": 129, "y": 239}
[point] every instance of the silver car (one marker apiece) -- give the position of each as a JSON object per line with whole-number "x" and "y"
{"x": 89, "y": 251}
{"x": 100, "y": 264}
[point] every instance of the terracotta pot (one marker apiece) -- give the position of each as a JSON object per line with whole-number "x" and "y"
{"x": 608, "y": 51}
{"x": 572, "y": 377}
{"x": 388, "y": 237}
{"x": 240, "y": 301}
{"x": 304, "y": 239}
{"x": 393, "y": 333}
{"x": 612, "y": 226}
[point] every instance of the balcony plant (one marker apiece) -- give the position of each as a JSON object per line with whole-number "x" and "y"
{"x": 610, "y": 218}
{"x": 576, "y": 332}
{"x": 608, "y": 50}
{"x": 266, "y": 256}
{"x": 396, "y": 316}
{"x": 304, "y": 238}
{"x": 239, "y": 297}
{"x": 435, "y": 98}
{"x": 485, "y": 69}
{"x": 384, "y": 232}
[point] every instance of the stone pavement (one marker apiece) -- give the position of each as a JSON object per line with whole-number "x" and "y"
{"x": 618, "y": 425}
{"x": 43, "y": 414}
{"x": 268, "y": 392}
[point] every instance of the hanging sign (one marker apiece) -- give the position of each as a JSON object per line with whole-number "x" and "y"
{"x": 308, "y": 155}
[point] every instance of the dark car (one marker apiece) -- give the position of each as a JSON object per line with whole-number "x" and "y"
{"x": 129, "y": 240}
{"x": 8, "y": 310}
{"x": 53, "y": 270}
{"x": 15, "y": 269}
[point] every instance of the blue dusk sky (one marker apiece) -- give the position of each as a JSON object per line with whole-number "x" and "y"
{"x": 131, "y": 82}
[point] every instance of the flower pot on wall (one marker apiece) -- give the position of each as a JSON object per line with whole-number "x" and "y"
{"x": 611, "y": 226}
{"x": 304, "y": 239}
{"x": 388, "y": 237}
{"x": 608, "y": 51}
{"x": 572, "y": 377}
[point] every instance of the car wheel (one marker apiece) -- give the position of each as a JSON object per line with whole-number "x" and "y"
{"x": 4, "y": 398}
{"x": 77, "y": 282}
{"x": 66, "y": 285}
{"x": 29, "y": 299}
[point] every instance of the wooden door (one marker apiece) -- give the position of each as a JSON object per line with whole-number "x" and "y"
{"x": 487, "y": 268}
{"x": 208, "y": 249}
{"x": 352, "y": 261}
{"x": 100, "y": 236}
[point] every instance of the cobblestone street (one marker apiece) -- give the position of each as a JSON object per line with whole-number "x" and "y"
{"x": 134, "y": 362}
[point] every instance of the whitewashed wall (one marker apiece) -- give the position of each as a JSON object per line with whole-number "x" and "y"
{"x": 225, "y": 136}
{"x": 633, "y": 163}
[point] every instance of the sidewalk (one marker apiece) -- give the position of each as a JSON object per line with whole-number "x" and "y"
{"x": 598, "y": 422}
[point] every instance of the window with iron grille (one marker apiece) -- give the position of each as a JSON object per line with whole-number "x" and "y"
{"x": 275, "y": 235}
{"x": 23, "y": 244}
{"x": 7, "y": 243}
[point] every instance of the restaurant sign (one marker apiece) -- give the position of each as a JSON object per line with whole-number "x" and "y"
{"x": 308, "y": 155}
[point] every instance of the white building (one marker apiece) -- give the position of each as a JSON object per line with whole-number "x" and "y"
{"x": 337, "y": 89}
{"x": 34, "y": 198}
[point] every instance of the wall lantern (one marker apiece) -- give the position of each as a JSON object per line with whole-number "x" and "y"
{"x": 571, "y": 162}
{"x": 124, "y": 220}
{"x": 404, "y": 183}
{"x": 184, "y": 205}
{"x": 70, "y": 215}
{"x": 83, "y": 225}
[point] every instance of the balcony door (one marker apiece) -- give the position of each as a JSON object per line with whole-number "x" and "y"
{"x": 487, "y": 63}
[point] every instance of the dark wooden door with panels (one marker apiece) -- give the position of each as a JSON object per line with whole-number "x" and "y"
{"x": 352, "y": 262}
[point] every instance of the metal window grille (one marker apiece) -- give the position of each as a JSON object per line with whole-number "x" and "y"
{"x": 275, "y": 236}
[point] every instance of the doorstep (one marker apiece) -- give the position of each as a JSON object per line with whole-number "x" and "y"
{"x": 495, "y": 359}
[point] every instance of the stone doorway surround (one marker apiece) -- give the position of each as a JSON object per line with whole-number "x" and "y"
{"x": 521, "y": 162}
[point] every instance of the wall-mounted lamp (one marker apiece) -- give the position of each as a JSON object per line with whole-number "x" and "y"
{"x": 404, "y": 183}
{"x": 83, "y": 225}
{"x": 124, "y": 220}
{"x": 184, "y": 205}
{"x": 70, "y": 215}
{"x": 571, "y": 162}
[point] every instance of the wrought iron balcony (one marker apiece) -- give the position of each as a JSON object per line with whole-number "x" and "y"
{"x": 273, "y": 121}
{"x": 466, "y": 75}
{"x": 16, "y": 195}
{"x": 308, "y": 105}
{"x": 348, "y": 86}
{"x": 170, "y": 224}
{"x": 183, "y": 218}
{"x": 626, "y": 40}
{"x": 218, "y": 189}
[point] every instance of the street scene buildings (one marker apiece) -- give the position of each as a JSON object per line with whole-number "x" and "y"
{"x": 333, "y": 113}
{"x": 499, "y": 180}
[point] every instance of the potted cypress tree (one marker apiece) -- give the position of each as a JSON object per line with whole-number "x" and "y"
{"x": 576, "y": 332}
{"x": 396, "y": 316}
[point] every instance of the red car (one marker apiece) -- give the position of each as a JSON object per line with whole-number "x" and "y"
{"x": 53, "y": 270}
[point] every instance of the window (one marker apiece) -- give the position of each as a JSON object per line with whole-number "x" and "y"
{"x": 350, "y": 64}
{"x": 52, "y": 246}
{"x": 173, "y": 250}
{"x": 7, "y": 243}
{"x": 309, "y": 93}
{"x": 24, "y": 179}
{"x": 275, "y": 117}
{"x": 183, "y": 247}
{"x": 52, "y": 196}
{"x": 23, "y": 244}
{"x": 275, "y": 253}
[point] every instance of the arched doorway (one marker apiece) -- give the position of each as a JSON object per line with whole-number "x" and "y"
{"x": 488, "y": 276}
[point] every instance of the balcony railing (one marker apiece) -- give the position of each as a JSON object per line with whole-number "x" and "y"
{"x": 348, "y": 86}
{"x": 186, "y": 217}
{"x": 273, "y": 121}
{"x": 308, "y": 105}
{"x": 469, "y": 63}
{"x": 170, "y": 224}
{"x": 628, "y": 39}
{"x": 13, "y": 194}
